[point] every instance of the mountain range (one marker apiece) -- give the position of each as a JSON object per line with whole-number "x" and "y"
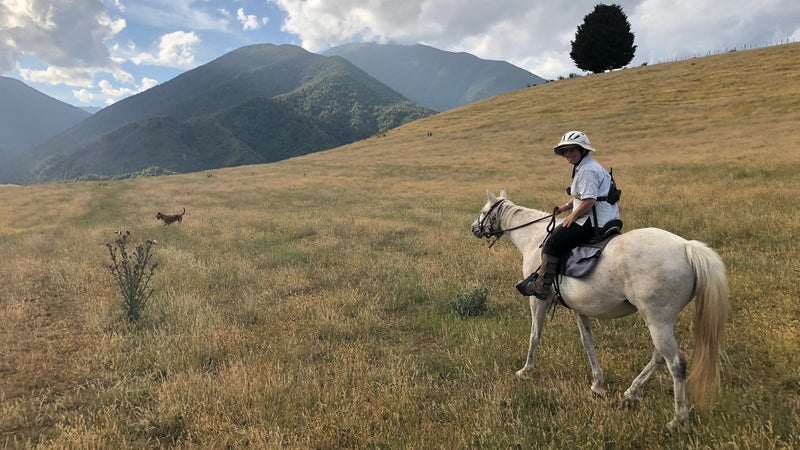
{"x": 435, "y": 78}
{"x": 259, "y": 104}
{"x": 29, "y": 117}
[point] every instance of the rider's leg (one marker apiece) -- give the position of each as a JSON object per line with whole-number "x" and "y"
{"x": 560, "y": 241}
{"x": 543, "y": 285}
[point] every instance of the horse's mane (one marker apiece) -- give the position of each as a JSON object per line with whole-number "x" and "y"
{"x": 512, "y": 208}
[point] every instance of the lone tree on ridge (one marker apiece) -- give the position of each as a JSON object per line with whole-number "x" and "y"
{"x": 604, "y": 41}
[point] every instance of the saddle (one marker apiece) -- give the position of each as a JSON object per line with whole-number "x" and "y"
{"x": 581, "y": 260}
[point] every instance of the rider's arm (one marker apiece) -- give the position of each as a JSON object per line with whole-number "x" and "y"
{"x": 565, "y": 207}
{"x": 583, "y": 208}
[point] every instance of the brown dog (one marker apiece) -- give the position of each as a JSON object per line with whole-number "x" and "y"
{"x": 170, "y": 218}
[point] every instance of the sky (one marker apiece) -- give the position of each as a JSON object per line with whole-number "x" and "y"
{"x": 97, "y": 52}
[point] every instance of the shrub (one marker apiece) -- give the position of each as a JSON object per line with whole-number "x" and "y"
{"x": 471, "y": 304}
{"x": 132, "y": 274}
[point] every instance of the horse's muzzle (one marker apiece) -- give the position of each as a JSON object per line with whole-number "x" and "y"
{"x": 476, "y": 230}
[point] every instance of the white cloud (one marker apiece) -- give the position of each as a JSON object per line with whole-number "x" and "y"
{"x": 185, "y": 14}
{"x": 665, "y": 30}
{"x": 76, "y": 42}
{"x": 174, "y": 50}
{"x": 147, "y": 83}
{"x": 110, "y": 91}
{"x": 59, "y": 33}
{"x": 83, "y": 96}
{"x": 536, "y": 34}
{"x": 72, "y": 76}
{"x": 111, "y": 94}
{"x": 122, "y": 76}
{"x": 249, "y": 21}
{"x": 516, "y": 30}
{"x": 118, "y": 4}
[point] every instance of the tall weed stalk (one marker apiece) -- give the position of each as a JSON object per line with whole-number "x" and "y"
{"x": 132, "y": 273}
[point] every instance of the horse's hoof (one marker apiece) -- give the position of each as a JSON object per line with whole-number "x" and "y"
{"x": 522, "y": 374}
{"x": 676, "y": 424}
{"x": 629, "y": 401}
{"x": 599, "y": 392}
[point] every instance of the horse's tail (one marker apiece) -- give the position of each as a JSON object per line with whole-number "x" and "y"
{"x": 711, "y": 313}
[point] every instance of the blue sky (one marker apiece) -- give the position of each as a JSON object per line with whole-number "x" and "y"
{"x": 96, "y": 52}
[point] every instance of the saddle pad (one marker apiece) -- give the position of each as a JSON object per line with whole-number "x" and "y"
{"x": 581, "y": 261}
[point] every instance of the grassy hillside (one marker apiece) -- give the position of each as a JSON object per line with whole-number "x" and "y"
{"x": 306, "y": 303}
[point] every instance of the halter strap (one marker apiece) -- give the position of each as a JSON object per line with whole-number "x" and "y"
{"x": 492, "y": 233}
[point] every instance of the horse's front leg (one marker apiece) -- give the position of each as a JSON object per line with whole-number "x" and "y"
{"x": 585, "y": 329}
{"x": 538, "y": 316}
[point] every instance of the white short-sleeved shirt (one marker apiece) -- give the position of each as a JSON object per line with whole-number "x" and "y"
{"x": 592, "y": 181}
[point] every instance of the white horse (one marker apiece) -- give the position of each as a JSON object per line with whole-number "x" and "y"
{"x": 649, "y": 271}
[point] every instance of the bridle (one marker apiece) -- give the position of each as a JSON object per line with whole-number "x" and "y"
{"x": 492, "y": 214}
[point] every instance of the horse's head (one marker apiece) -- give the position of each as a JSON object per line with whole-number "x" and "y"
{"x": 487, "y": 225}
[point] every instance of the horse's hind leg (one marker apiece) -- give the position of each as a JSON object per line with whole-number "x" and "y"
{"x": 638, "y": 383}
{"x": 585, "y": 329}
{"x": 665, "y": 343}
{"x": 538, "y": 315}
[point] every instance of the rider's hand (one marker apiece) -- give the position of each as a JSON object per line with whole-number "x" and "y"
{"x": 568, "y": 221}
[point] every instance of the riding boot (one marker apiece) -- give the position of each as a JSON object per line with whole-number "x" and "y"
{"x": 540, "y": 285}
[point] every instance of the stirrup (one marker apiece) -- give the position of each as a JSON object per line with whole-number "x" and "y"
{"x": 527, "y": 287}
{"x": 523, "y": 285}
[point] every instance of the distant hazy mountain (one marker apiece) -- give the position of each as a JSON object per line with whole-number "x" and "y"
{"x": 435, "y": 78}
{"x": 28, "y": 117}
{"x": 260, "y": 103}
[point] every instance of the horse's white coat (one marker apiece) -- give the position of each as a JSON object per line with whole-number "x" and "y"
{"x": 649, "y": 271}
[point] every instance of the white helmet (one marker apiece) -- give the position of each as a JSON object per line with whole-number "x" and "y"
{"x": 571, "y": 139}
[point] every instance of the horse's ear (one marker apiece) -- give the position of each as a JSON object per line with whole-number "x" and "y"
{"x": 503, "y": 193}
{"x": 492, "y": 198}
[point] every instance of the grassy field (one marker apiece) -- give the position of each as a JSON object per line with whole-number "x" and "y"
{"x": 307, "y": 304}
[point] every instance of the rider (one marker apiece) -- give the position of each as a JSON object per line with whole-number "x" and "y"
{"x": 590, "y": 210}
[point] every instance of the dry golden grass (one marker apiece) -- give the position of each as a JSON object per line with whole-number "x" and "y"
{"x": 305, "y": 304}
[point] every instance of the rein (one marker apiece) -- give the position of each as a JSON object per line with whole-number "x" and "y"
{"x": 497, "y": 234}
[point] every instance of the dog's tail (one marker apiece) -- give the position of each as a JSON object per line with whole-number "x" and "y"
{"x": 184, "y": 211}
